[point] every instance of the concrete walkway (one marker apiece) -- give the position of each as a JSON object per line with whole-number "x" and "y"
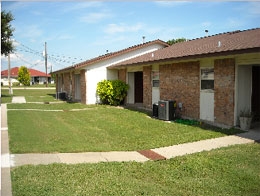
{"x": 6, "y": 188}
{"x": 15, "y": 160}
{"x": 17, "y": 99}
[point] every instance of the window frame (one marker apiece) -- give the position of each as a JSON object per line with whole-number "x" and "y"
{"x": 207, "y": 78}
{"x": 155, "y": 78}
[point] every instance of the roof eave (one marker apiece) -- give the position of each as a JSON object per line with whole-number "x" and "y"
{"x": 222, "y": 53}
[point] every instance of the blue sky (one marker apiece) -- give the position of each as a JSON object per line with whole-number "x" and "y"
{"x": 80, "y": 30}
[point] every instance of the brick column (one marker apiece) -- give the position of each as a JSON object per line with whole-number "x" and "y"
{"x": 73, "y": 85}
{"x": 147, "y": 87}
{"x": 224, "y": 88}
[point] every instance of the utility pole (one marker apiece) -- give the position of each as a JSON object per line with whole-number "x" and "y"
{"x": 9, "y": 77}
{"x": 46, "y": 64}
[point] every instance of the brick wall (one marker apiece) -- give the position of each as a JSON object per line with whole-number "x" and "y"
{"x": 73, "y": 85}
{"x": 122, "y": 75}
{"x": 83, "y": 84}
{"x": 57, "y": 82}
{"x": 181, "y": 82}
{"x": 147, "y": 87}
{"x": 66, "y": 79}
{"x": 224, "y": 85}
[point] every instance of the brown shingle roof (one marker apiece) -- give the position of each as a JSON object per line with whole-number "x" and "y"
{"x": 236, "y": 41}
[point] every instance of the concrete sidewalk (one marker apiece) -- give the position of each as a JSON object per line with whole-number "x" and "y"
{"x": 18, "y": 99}
{"x": 122, "y": 156}
{"x": 6, "y": 188}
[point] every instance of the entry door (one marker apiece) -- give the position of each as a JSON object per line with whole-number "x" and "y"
{"x": 256, "y": 92}
{"x": 207, "y": 106}
{"x": 207, "y": 94}
{"x": 138, "y": 87}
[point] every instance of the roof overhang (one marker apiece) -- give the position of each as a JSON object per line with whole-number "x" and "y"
{"x": 191, "y": 57}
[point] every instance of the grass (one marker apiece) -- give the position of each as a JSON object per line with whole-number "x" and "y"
{"x": 231, "y": 171}
{"x": 96, "y": 128}
{"x": 31, "y": 95}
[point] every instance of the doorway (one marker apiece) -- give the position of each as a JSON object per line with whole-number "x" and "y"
{"x": 255, "y": 105}
{"x": 138, "y": 83}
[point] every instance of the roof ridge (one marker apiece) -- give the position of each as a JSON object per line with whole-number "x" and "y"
{"x": 224, "y": 33}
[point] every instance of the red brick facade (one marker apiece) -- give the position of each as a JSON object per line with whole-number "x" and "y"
{"x": 147, "y": 87}
{"x": 224, "y": 85}
{"x": 181, "y": 82}
{"x": 66, "y": 80}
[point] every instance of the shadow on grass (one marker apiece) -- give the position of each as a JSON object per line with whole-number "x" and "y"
{"x": 3, "y": 95}
{"x": 191, "y": 123}
{"x": 52, "y": 95}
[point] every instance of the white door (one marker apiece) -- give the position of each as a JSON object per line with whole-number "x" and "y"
{"x": 155, "y": 95}
{"x": 207, "y": 94}
{"x": 207, "y": 106}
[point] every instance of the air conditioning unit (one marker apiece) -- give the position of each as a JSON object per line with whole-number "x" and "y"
{"x": 166, "y": 110}
{"x": 61, "y": 95}
{"x": 155, "y": 110}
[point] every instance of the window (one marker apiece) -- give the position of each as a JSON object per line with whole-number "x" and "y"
{"x": 207, "y": 79}
{"x": 155, "y": 79}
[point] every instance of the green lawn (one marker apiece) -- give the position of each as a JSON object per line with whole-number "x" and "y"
{"x": 96, "y": 128}
{"x": 228, "y": 171}
{"x": 31, "y": 95}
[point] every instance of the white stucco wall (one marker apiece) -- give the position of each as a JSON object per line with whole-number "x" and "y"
{"x": 98, "y": 71}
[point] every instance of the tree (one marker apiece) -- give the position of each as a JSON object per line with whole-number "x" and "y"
{"x": 6, "y": 33}
{"x": 24, "y": 76}
{"x": 174, "y": 41}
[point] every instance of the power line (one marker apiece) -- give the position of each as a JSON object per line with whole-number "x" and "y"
{"x": 61, "y": 58}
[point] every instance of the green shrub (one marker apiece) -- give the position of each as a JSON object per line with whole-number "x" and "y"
{"x": 112, "y": 92}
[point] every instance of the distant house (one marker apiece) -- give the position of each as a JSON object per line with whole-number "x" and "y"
{"x": 80, "y": 81}
{"x": 212, "y": 78}
{"x": 37, "y": 77}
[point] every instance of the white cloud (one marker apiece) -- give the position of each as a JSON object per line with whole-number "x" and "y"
{"x": 122, "y": 28}
{"x": 65, "y": 37}
{"x": 95, "y": 17}
{"x": 170, "y": 3}
{"x": 31, "y": 31}
{"x": 14, "y": 5}
{"x": 254, "y": 8}
{"x": 82, "y": 5}
{"x": 234, "y": 23}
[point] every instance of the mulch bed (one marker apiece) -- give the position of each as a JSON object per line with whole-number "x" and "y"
{"x": 151, "y": 155}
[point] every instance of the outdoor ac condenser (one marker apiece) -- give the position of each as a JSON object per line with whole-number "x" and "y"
{"x": 166, "y": 110}
{"x": 61, "y": 95}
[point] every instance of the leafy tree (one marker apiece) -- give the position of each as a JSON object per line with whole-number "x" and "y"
{"x": 174, "y": 41}
{"x": 112, "y": 92}
{"x": 24, "y": 76}
{"x": 6, "y": 33}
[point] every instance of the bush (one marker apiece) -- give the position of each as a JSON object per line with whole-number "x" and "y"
{"x": 112, "y": 92}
